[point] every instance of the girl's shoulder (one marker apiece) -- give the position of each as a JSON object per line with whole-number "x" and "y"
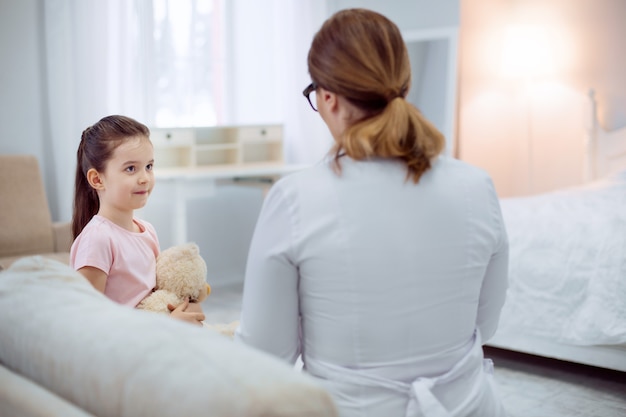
{"x": 98, "y": 233}
{"x": 98, "y": 224}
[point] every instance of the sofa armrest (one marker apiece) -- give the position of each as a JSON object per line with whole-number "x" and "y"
{"x": 22, "y": 397}
{"x": 62, "y": 233}
{"x": 151, "y": 365}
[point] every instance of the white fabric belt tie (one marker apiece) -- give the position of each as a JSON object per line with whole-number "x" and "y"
{"x": 421, "y": 397}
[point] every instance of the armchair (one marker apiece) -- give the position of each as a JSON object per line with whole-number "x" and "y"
{"x": 26, "y": 226}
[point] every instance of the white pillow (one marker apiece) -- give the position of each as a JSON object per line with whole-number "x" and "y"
{"x": 116, "y": 361}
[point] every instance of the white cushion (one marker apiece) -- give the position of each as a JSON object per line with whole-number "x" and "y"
{"x": 113, "y": 360}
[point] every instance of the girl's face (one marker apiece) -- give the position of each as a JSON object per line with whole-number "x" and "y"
{"x": 128, "y": 179}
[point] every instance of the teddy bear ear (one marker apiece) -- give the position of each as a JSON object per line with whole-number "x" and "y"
{"x": 194, "y": 248}
{"x": 186, "y": 250}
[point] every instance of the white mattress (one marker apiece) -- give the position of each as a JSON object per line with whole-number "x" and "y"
{"x": 568, "y": 265}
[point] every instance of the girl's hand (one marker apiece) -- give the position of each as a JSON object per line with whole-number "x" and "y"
{"x": 189, "y": 312}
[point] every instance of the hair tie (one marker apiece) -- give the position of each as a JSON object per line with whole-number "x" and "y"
{"x": 399, "y": 94}
{"x": 395, "y": 96}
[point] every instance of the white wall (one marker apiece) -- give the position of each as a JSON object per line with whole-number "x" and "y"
{"x": 21, "y": 99}
{"x": 409, "y": 14}
{"x": 529, "y": 132}
{"x": 23, "y": 115}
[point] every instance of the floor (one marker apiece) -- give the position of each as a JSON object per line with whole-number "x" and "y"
{"x": 530, "y": 386}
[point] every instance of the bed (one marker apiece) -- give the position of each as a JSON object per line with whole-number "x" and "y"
{"x": 567, "y": 273}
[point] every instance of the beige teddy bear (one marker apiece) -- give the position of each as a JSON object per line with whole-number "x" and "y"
{"x": 180, "y": 273}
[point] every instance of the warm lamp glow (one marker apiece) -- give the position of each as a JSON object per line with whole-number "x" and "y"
{"x": 529, "y": 51}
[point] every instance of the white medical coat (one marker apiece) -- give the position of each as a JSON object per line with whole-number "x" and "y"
{"x": 367, "y": 272}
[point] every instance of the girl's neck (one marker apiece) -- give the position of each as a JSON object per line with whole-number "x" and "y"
{"x": 122, "y": 219}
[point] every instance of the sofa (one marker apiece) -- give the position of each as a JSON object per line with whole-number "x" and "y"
{"x": 67, "y": 350}
{"x": 26, "y": 226}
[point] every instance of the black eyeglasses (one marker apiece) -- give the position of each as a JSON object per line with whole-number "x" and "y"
{"x": 307, "y": 93}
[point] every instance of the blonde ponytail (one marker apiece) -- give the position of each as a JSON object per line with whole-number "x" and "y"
{"x": 398, "y": 131}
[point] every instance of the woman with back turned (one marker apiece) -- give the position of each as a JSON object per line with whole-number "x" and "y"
{"x": 384, "y": 267}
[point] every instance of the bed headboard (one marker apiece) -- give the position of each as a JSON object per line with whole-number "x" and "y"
{"x": 605, "y": 150}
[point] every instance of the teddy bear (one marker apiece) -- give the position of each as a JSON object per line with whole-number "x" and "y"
{"x": 180, "y": 273}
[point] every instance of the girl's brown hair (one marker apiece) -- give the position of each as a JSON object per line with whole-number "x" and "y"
{"x": 97, "y": 144}
{"x": 360, "y": 55}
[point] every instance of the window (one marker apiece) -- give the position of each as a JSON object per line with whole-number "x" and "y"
{"x": 188, "y": 62}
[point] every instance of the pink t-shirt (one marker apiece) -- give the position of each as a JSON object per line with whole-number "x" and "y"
{"x": 128, "y": 258}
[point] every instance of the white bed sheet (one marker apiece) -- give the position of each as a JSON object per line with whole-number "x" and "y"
{"x": 568, "y": 264}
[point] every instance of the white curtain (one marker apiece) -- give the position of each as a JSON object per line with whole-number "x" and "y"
{"x": 307, "y": 137}
{"x": 271, "y": 40}
{"x": 93, "y": 70}
{"x": 100, "y": 58}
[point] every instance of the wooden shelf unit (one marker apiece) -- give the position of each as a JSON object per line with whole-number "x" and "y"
{"x": 191, "y": 147}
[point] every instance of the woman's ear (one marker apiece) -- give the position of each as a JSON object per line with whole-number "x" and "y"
{"x": 330, "y": 99}
{"x": 94, "y": 179}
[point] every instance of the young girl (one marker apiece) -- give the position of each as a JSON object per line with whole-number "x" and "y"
{"x": 114, "y": 250}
